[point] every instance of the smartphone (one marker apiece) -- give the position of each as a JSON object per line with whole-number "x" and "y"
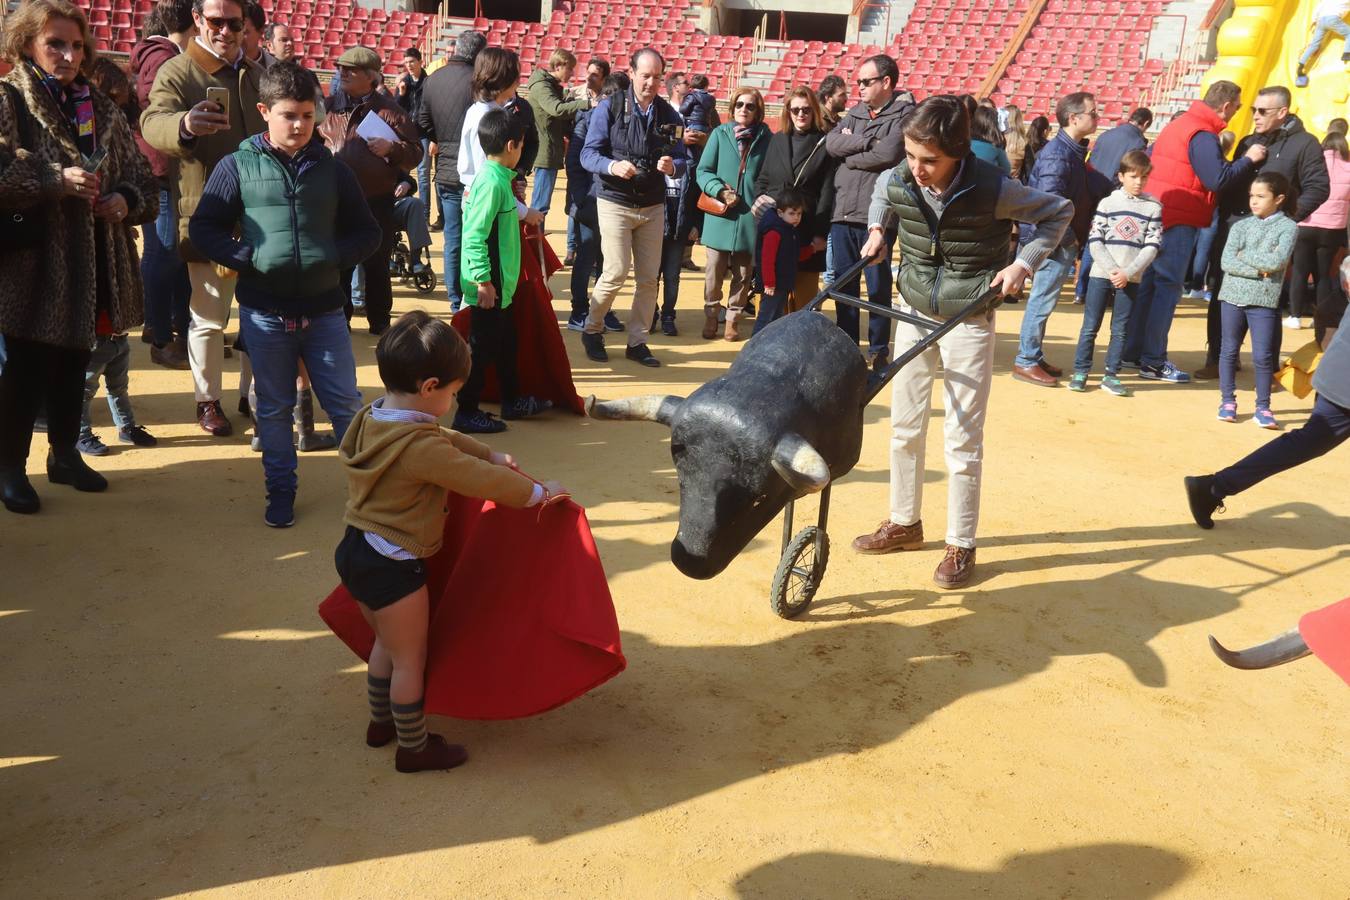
{"x": 95, "y": 161}
{"x": 221, "y": 97}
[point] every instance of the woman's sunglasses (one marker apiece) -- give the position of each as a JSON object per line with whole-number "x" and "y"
{"x": 746, "y": 104}
{"x": 800, "y": 110}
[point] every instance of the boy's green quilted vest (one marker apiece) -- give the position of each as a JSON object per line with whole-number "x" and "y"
{"x": 290, "y": 225}
{"x": 946, "y": 263}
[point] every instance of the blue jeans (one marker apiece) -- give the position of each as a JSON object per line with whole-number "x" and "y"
{"x": 1326, "y": 429}
{"x": 828, "y": 276}
{"x": 672, "y": 254}
{"x": 424, "y": 176}
{"x": 1100, "y": 295}
{"x": 588, "y": 256}
{"x": 111, "y": 359}
{"x": 1320, "y": 29}
{"x": 1041, "y": 301}
{"x": 1080, "y": 287}
{"x": 1204, "y": 242}
{"x": 275, "y": 346}
{"x": 167, "y": 286}
{"x": 571, "y": 236}
{"x": 848, "y": 242}
{"x": 452, "y": 198}
{"x": 1264, "y": 323}
{"x": 544, "y": 182}
{"x": 1159, "y": 293}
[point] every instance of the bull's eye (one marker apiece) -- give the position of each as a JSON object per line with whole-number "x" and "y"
{"x": 760, "y": 499}
{"x": 676, "y": 450}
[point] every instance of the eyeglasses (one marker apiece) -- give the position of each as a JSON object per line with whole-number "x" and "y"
{"x": 747, "y": 105}
{"x": 868, "y": 82}
{"x": 1092, "y": 113}
{"x": 216, "y": 24}
{"x": 799, "y": 110}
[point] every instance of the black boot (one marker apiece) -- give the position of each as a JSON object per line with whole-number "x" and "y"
{"x": 66, "y": 466}
{"x": 18, "y": 492}
{"x": 1200, "y": 497}
{"x": 304, "y": 424}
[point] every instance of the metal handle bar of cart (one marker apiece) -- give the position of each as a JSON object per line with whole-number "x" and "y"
{"x": 936, "y": 330}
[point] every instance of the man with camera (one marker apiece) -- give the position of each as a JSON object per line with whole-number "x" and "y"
{"x": 633, "y": 141}
{"x": 204, "y": 103}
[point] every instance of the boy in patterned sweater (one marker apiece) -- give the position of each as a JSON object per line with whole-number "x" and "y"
{"x": 1124, "y": 239}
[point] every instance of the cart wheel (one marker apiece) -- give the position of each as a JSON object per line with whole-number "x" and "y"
{"x": 800, "y": 572}
{"x": 425, "y": 281}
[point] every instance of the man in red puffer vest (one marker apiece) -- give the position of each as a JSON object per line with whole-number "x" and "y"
{"x": 1189, "y": 170}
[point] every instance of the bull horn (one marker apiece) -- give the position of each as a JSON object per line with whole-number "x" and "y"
{"x": 1275, "y": 652}
{"x": 647, "y": 408}
{"x": 800, "y": 464}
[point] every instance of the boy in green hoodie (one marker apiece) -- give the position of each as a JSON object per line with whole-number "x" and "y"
{"x": 489, "y": 271}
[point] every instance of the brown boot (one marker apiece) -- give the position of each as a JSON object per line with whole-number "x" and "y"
{"x": 890, "y": 537}
{"x": 709, "y": 323}
{"x": 956, "y": 568}
{"x": 380, "y": 733}
{"x": 732, "y": 332}
{"x": 212, "y": 419}
{"x": 170, "y": 356}
{"x": 436, "y": 755}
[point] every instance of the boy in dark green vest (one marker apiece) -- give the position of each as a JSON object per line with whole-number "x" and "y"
{"x": 301, "y": 218}
{"x": 489, "y": 270}
{"x": 954, "y": 213}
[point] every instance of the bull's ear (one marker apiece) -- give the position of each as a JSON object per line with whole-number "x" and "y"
{"x": 648, "y": 408}
{"x": 800, "y": 464}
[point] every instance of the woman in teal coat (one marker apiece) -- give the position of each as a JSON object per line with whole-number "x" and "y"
{"x": 727, "y": 172}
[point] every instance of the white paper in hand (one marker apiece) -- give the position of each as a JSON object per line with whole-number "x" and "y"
{"x": 372, "y": 126}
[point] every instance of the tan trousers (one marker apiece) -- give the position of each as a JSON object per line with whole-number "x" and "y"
{"x": 628, "y": 238}
{"x": 741, "y": 268}
{"x": 967, "y": 355}
{"x": 210, "y": 308}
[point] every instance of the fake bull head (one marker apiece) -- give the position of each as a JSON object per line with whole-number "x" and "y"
{"x": 783, "y": 422}
{"x": 1324, "y": 632}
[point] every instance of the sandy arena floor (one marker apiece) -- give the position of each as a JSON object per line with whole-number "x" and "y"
{"x": 177, "y": 719}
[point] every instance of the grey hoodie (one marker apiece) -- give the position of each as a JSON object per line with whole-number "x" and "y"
{"x": 1332, "y": 378}
{"x": 875, "y": 145}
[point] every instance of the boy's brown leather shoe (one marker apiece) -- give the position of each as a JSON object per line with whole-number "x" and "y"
{"x": 436, "y": 755}
{"x": 890, "y": 537}
{"x": 956, "y": 568}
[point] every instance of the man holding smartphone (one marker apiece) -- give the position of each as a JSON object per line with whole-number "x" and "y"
{"x": 203, "y": 105}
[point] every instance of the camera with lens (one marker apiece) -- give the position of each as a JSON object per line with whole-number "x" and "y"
{"x": 662, "y": 142}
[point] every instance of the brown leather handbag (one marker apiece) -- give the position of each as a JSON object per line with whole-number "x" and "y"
{"x": 713, "y": 205}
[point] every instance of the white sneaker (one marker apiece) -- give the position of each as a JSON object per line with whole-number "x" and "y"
{"x": 1293, "y": 322}
{"x": 1196, "y": 294}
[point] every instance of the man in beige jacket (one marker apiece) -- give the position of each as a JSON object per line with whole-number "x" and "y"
{"x": 181, "y": 122}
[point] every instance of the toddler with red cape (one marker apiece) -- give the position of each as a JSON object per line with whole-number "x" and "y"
{"x": 448, "y": 623}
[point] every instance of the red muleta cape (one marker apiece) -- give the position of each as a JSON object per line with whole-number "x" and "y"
{"x": 541, "y": 356}
{"x": 1326, "y": 631}
{"x": 521, "y": 616}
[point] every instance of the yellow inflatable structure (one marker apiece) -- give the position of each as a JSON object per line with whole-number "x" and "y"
{"x": 1260, "y": 45}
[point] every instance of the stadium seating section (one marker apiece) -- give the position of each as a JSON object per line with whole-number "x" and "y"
{"x": 946, "y": 46}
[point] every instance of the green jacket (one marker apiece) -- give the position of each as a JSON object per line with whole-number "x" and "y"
{"x": 490, "y": 242}
{"x": 717, "y": 168}
{"x": 289, "y": 221}
{"x": 949, "y": 260}
{"x": 553, "y": 114}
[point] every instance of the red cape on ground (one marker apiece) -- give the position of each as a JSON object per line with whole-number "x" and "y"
{"x": 541, "y": 357}
{"x": 1327, "y": 633}
{"x": 521, "y": 616}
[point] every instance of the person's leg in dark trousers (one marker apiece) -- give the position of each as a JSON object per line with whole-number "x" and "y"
{"x": 848, "y": 243}
{"x": 1098, "y": 297}
{"x": 773, "y": 306}
{"x": 379, "y": 289}
{"x": 1122, "y": 311}
{"x": 1080, "y": 287}
{"x": 1214, "y": 315}
{"x": 672, "y": 254}
{"x": 588, "y": 255}
{"x": 1304, "y": 264}
{"x": 1326, "y": 429}
{"x": 1264, "y": 325}
{"x": 879, "y": 284}
{"x": 23, "y": 389}
{"x": 847, "y": 251}
{"x": 485, "y": 341}
{"x": 1234, "y": 320}
{"x": 508, "y": 377}
{"x": 451, "y": 198}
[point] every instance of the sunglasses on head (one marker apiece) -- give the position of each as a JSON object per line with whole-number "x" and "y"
{"x": 217, "y": 24}
{"x": 747, "y": 104}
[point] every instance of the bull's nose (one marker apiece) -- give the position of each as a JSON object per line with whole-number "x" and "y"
{"x": 692, "y": 564}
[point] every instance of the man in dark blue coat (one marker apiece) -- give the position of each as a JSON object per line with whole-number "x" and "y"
{"x": 1061, "y": 169}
